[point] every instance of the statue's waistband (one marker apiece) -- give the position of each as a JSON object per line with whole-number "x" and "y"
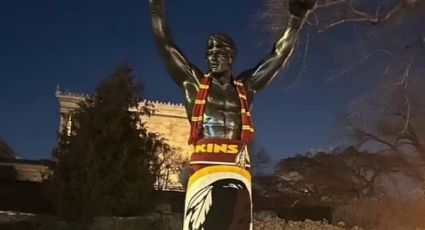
{"x": 214, "y": 151}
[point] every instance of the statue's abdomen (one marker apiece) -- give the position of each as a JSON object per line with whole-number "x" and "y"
{"x": 222, "y": 117}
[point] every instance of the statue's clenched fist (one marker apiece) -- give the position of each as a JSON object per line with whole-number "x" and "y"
{"x": 300, "y": 8}
{"x": 157, "y": 5}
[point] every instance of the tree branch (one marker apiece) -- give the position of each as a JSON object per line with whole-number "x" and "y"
{"x": 361, "y": 16}
{"x": 369, "y": 136}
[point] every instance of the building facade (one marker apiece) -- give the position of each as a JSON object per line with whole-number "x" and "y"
{"x": 167, "y": 119}
{"x": 14, "y": 168}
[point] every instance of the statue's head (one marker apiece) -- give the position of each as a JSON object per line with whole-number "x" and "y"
{"x": 221, "y": 53}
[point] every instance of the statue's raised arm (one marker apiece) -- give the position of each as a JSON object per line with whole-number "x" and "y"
{"x": 180, "y": 69}
{"x": 261, "y": 75}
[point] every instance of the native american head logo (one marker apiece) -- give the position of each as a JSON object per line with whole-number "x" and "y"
{"x": 220, "y": 205}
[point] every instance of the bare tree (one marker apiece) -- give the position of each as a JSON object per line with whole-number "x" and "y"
{"x": 370, "y": 172}
{"x": 336, "y": 177}
{"x": 314, "y": 179}
{"x": 370, "y": 21}
{"x": 331, "y": 13}
{"x": 388, "y": 121}
{"x": 391, "y": 116}
{"x": 170, "y": 163}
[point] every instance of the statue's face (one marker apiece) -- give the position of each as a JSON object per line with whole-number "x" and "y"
{"x": 218, "y": 59}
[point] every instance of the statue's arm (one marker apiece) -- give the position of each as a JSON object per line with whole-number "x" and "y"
{"x": 178, "y": 66}
{"x": 261, "y": 75}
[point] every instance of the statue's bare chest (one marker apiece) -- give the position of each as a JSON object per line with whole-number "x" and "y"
{"x": 222, "y": 99}
{"x": 222, "y": 112}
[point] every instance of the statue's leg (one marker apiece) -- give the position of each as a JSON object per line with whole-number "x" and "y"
{"x": 218, "y": 197}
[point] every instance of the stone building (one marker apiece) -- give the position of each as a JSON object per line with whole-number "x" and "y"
{"x": 168, "y": 119}
{"x": 20, "y": 187}
{"x": 6, "y": 152}
{"x": 12, "y": 167}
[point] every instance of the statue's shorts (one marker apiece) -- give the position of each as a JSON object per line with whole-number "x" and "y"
{"x": 218, "y": 194}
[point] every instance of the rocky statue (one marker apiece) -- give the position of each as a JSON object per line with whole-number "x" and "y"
{"x": 218, "y": 105}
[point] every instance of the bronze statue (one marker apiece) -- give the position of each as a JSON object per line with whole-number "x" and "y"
{"x": 218, "y": 105}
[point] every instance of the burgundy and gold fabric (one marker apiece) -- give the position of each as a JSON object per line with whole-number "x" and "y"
{"x": 247, "y": 134}
{"x": 218, "y": 194}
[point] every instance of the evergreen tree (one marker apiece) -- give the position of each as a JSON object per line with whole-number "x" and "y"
{"x": 105, "y": 166}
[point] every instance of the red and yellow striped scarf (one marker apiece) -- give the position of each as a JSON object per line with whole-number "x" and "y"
{"x": 247, "y": 134}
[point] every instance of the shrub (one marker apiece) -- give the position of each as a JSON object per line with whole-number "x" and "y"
{"x": 383, "y": 214}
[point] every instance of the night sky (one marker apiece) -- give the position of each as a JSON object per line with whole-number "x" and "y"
{"x": 75, "y": 44}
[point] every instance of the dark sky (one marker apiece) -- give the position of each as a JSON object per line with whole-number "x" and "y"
{"x": 75, "y": 44}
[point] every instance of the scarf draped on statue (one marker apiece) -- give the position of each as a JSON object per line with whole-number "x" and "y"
{"x": 247, "y": 134}
{"x": 218, "y": 193}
